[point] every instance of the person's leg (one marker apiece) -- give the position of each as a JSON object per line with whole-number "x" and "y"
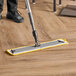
{"x": 12, "y": 11}
{"x": 12, "y": 5}
{"x": 1, "y": 8}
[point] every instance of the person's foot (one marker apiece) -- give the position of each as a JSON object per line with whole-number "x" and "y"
{"x": 16, "y": 17}
{"x": 0, "y": 16}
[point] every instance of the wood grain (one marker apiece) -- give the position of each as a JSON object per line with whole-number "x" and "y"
{"x": 58, "y": 61}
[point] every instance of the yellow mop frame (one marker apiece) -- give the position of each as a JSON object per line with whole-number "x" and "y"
{"x": 37, "y": 49}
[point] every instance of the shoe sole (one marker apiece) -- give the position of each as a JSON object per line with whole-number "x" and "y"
{"x": 15, "y": 20}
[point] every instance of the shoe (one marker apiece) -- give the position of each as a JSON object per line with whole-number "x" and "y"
{"x": 0, "y": 16}
{"x": 15, "y": 16}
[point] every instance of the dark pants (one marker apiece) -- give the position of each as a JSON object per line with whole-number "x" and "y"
{"x": 11, "y": 5}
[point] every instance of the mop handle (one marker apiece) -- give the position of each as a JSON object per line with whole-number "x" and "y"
{"x": 30, "y": 14}
{"x": 32, "y": 23}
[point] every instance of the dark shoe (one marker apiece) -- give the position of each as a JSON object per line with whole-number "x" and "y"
{"x": 0, "y": 16}
{"x": 15, "y": 17}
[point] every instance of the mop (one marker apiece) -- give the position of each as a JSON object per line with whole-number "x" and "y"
{"x": 37, "y": 46}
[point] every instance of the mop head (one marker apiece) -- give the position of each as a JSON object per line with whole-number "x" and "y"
{"x": 45, "y": 45}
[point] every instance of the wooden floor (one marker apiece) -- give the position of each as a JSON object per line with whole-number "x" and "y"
{"x": 58, "y": 61}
